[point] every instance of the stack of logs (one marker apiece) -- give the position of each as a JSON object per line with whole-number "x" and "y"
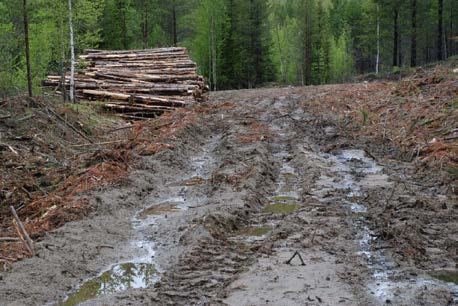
{"x": 136, "y": 84}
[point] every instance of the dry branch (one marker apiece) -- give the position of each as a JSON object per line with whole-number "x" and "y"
{"x": 9, "y": 148}
{"x": 9, "y": 239}
{"x": 22, "y": 233}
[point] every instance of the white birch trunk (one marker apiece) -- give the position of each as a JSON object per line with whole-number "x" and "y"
{"x": 72, "y": 48}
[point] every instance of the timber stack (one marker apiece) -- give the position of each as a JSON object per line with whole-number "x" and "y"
{"x": 135, "y": 84}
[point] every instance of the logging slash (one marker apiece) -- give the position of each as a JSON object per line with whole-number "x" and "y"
{"x": 22, "y": 233}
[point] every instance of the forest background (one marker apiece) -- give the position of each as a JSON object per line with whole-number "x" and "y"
{"x": 236, "y": 43}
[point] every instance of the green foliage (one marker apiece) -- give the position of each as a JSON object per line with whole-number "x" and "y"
{"x": 236, "y": 43}
{"x": 88, "y": 30}
{"x": 341, "y": 61}
{"x": 206, "y": 43}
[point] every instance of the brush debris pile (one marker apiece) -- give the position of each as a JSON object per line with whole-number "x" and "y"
{"x": 136, "y": 83}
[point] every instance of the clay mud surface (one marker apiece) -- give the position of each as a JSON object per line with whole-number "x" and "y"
{"x": 259, "y": 203}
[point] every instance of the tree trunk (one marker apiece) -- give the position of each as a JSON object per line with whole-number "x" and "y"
{"x": 214, "y": 52}
{"x": 174, "y": 24}
{"x": 145, "y": 24}
{"x": 72, "y": 50}
{"x": 210, "y": 57}
{"x": 27, "y": 48}
{"x": 440, "y": 34}
{"x": 396, "y": 37}
{"x": 377, "y": 65}
{"x": 451, "y": 42}
{"x": 308, "y": 70}
{"x": 413, "y": 50}
{"x": 62, "y": 61}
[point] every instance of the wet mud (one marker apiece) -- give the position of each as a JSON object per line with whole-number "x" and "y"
{"x": 225, "y": 217}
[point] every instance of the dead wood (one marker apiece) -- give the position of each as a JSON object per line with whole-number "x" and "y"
{"x": 9, "y": 239}
{"x": 69, "y": 124}
{"x": 4, "y": 145}
{"x": 294, "y": 255}
{"x": 22, "y": 233}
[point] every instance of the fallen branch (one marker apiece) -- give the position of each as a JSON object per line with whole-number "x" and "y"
{"x": 9, "y": 148}
{"x": 294, "y": 255}
{"x": 451, "y": 137}
{"x": 97, "y": 144}
{"x": 8, "y": 239}
{"x": 26, "y": 118}
{"x": 22, "y": 233}
{"x": 5, "y": 264}
{"x": 121, "y": 129}
{"x": 69, "y": 125}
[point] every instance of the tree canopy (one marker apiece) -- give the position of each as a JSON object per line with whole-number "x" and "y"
{"x": 236, "y": 43}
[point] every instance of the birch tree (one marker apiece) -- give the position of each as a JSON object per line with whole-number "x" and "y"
{"x": 72, "y": 51}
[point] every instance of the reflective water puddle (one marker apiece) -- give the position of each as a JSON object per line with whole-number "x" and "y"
{"x": 254, "y": 231}
{"x": 141, "y": 272}
{"x": 159, "y": 209}
{"x": 119, "y": 278}
{"x": 446, "y": 276}
{"x": 358, "y": 172}
{"x": 193, "y": 181}
{"x": 281, "y": 208}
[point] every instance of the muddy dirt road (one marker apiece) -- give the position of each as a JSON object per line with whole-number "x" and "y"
{"x": 216, "y": 221}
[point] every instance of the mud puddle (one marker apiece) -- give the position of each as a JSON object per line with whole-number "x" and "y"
{"x": 284, "y": 201}
{"x": 119, "y": 278}
{"x": 353, "y": 172}
{"x": 144, "y": 271}
{"x": 275, "y": 279}
{"x": 286, "y": 197}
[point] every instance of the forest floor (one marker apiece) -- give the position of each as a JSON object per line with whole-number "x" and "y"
{"x": 207, "y": 204}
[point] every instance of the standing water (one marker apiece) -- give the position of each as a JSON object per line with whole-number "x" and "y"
{"x": 357, "y": 172}
{"x": 143, "y": 271}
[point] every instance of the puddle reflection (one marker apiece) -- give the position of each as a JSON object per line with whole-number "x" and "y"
{"x": 119, "y": 278}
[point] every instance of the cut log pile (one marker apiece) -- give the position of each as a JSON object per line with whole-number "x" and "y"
{"x": 136, "y": 84}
